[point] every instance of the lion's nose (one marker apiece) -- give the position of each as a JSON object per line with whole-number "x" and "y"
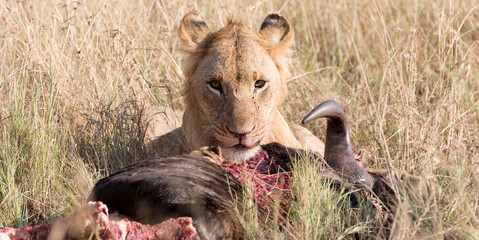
{"x": 239, "y": 135}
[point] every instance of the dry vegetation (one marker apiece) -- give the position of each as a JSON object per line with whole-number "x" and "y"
{"x": 74, "y": 76}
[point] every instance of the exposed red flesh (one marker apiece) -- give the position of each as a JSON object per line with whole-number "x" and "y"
{"x": 94, "y": 217}
{"x": 262, "y": 173}
{"x": 26, "y": 233}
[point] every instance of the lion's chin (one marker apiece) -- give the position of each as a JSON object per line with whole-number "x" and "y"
{"x": 239, "y": 153}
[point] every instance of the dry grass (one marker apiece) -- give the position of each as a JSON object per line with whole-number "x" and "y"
{"x": 407, "y": 73}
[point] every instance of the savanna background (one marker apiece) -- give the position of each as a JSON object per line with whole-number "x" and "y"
{"x": 77, "y": 76}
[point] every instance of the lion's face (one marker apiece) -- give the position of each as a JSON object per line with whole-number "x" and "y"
{"x": 235, "y": 79}
{"x": 238, "y": 85}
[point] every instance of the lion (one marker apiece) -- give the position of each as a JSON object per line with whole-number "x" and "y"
{"x": 235, "y": 83}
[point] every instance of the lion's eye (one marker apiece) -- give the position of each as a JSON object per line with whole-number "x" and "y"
{"x": 259, "y": 84}
{"x": 215, "y": 84}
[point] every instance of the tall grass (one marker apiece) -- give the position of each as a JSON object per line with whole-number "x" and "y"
{"x": 406, "y": 72}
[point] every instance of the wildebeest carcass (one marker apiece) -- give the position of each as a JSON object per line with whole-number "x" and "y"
{"x": 155, "y": 190}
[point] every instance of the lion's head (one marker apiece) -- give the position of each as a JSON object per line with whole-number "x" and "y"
{"x": 235, "y": 82}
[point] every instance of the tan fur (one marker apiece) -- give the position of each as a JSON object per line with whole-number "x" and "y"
{"x": 239, "y": 115}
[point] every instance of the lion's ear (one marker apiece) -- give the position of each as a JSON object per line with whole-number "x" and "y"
{"x": 278, "y": 33}
{"x": 193, "y": 30}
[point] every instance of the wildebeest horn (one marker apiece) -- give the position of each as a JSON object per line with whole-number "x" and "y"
{"x": 338, "y": 152}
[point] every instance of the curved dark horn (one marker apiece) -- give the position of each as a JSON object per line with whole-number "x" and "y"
{"x": 338, "y": 152}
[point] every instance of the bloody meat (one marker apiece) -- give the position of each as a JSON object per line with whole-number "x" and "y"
{"x": 92, "y": 219}
{"x": 268, "y": 183}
